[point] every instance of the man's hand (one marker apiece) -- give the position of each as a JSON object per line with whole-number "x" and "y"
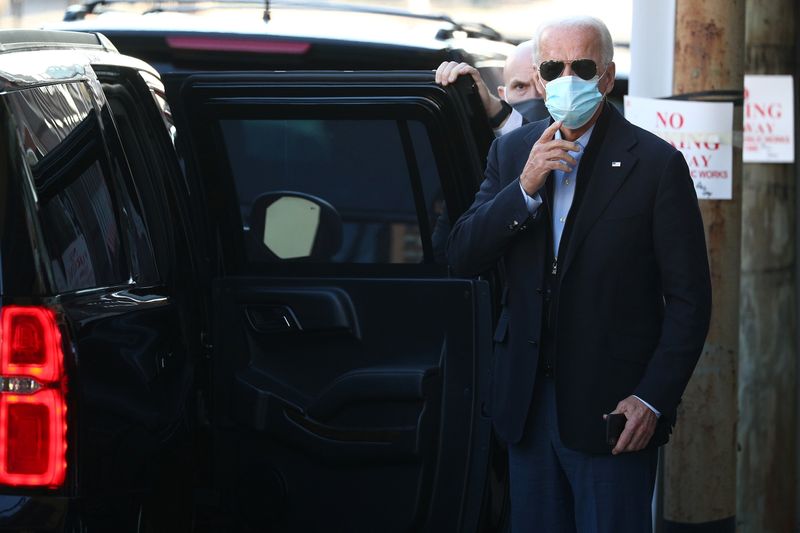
{"x": 449, "y": 71}
{"x": 639, "y": 428}
{"x": 547, "y": 154}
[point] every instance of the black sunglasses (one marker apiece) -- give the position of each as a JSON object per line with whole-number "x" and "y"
{"x": 584, "y": 68}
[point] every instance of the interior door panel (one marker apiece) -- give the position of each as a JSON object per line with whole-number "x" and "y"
{"x": 348, "y": 388}
{"x": 365, "y": 390}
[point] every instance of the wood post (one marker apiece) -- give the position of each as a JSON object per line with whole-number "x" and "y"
{"x": 766, "y": 493}
{"x": 700, "y": 462}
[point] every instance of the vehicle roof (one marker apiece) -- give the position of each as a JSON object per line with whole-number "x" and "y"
{"x": 306, "y": 21}
{"x": 43, "y": 57}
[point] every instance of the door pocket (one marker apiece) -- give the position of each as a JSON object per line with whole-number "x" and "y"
{"x": 312, "y": 428}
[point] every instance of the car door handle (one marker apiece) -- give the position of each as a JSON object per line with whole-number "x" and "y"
{"x": 272, "y": 318}
{"x": 308, "y": 310}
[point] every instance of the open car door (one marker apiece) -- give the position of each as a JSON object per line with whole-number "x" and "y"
{"x": 349, "y": 376}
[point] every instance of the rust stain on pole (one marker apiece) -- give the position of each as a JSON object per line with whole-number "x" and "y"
{"x": 700, "y": 463}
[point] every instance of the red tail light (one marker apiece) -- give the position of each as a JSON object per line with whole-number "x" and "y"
{"x": 33, "y": 412}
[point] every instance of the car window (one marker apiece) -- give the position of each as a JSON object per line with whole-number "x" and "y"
{"x": 151, "y": 212}
{"x": 59, "y": 133}
{"x": 379, "y": 175}
{"x": 492, "y": 73}
{"x": 138, "y": 233}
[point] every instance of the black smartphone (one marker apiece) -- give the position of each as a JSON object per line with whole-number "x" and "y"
{"x": 615, "y": 423}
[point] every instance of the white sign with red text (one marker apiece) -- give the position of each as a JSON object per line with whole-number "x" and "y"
{"x": 702, "y": 131}
{"x": 768, "y": 119}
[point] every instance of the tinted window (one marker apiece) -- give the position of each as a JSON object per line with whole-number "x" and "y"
{"x": 379, "y": 175}
{"x": 150, "y": 216}
{"x": 82, "y": 233}
{"x": 61, "y": 139}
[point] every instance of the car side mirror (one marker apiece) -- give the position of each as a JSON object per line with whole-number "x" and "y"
{"x": 290, "y": 225}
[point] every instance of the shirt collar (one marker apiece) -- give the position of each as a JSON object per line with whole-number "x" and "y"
{"x": 583, "y": 140}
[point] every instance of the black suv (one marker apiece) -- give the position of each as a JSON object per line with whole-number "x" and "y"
{"x": 186, "y": 35}
{"x": 256, "y": 335}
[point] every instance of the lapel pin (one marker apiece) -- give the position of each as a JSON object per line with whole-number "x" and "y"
{"x": 616, "y": 163}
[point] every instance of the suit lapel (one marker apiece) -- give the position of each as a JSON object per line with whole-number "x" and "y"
{"x": 611, "y": 168}
{"x": 533, "y": 135}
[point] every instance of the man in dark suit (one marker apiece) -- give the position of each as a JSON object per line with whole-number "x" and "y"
{"x": 607, "y": 298}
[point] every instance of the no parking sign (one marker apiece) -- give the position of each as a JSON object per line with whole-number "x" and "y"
{"x": 702, "y": 131}
{"x": 768, "y": 119}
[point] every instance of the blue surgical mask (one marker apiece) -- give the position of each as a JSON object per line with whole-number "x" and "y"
{"x": 572, "y": 100}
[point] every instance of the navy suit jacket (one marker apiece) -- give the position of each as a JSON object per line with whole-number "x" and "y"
{"x": 634, "y": 291}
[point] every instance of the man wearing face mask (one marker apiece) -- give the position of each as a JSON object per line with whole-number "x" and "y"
{"x": 520, "y": 99}
{"x": 607, "y": 298}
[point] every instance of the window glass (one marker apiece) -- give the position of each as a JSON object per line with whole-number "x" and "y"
{"x": 492, "y": 73}
{"x": 438, "y": 220}
{"x": 144, "y": 197}
{"x": 61, "y": 140}
{"x": 374, "y": 173}
{"x": 82, "y": 233}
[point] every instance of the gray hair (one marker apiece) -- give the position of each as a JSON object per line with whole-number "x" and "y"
{"x": 606, "y": 44}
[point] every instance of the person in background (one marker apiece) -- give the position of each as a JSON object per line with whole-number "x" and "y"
{"x": 520, "y": 99}
{"x": 607, "y": 298}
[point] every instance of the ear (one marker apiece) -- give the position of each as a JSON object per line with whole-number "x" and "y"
{"x": 608, "y": 79}
{"x": 538, "y": 90}
{"x": 501, "y": 92}
{"x": 539, "y": 83}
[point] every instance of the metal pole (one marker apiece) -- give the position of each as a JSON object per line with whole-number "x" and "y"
{"x": 700, "y": 463}
{"x": 765, "y": 496}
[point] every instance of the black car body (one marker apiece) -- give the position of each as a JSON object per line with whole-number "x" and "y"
{"x": 300, "y": 35}
{"x": 257, "y": 35}
{"x": 211, "y": 374}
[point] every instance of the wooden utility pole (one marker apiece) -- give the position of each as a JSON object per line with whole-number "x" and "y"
{"x": 766, "y": 494}
{"x": 700, "y": 464}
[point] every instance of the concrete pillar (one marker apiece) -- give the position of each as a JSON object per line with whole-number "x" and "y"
{"x": 700, "y": 463}
{"x": 766, "y": 467}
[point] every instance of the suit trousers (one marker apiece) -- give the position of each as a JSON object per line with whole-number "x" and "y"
{"x": 558, "y": 490}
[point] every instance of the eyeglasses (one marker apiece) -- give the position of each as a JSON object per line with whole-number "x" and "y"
{"x": 584, "y": 68}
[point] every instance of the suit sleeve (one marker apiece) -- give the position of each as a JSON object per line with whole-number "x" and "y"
{"x": 481, "y": 235}
{"x": 680, "y": 248}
